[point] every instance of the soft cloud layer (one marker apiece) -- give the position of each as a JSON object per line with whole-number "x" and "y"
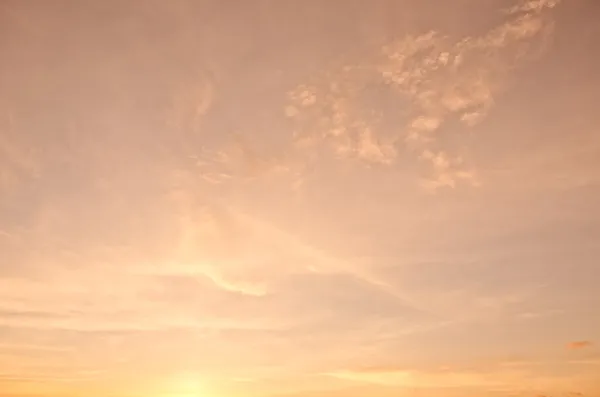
{"x": 201, "y": 200}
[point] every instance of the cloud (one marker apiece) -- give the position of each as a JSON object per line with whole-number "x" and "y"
{"x": 420, "y": 379}
{"x": 458, "y": 79}
{"x": 17, "y": 159}
{"x": 237, "y": 250}
{"x": 443, "y": 79}
{"x": 474, "y": 379}
{"x": 243, "y": 253}
{"x": 446, "y": 172}
{"x": 245, "y": 161}
{"x": 578, "y": 345}
{"x": 192, "y": 103}
{"x": 440, "y": 79}
{"x": 428, "y": 124}
{"x": 220, "y": 259}
{"x": 370, "y": 149}
{"x": 533, "y": 5}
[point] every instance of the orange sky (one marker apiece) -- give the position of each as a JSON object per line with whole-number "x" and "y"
{"x": 312, "y": 198}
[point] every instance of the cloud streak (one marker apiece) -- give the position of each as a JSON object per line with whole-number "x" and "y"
{"x": 578, "y": 345}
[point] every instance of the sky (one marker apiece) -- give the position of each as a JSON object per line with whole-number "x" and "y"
{"x": 299, "y": 198}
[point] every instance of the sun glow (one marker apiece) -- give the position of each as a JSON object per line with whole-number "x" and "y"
{"x": 188, "y": 385}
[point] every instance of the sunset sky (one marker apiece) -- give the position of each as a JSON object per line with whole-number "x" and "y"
{"x": 300, "y": 198}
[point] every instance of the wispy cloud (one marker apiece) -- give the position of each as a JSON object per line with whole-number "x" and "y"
{"x": 448, "y": 380}
{"x": 581, "y": 344}
{"x": 191, "y": 103}
{"x": 418, "y": 379}
{"x": 17, "y": 159}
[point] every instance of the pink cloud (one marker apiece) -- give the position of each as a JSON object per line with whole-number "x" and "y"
{"x": 582, "y": 344}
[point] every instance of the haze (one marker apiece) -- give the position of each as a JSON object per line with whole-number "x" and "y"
{"x": 299, "y": 198}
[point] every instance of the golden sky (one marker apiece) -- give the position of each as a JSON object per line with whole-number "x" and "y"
{"x": 306, "y": 198}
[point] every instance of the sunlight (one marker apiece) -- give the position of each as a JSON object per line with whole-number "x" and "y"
{"x": 387, "y": 198}
{"x": 188, "y": 385}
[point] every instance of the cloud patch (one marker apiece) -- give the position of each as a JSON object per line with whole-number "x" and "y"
{"x": 440, "y": 78}
{"x": 580, "y": 345}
